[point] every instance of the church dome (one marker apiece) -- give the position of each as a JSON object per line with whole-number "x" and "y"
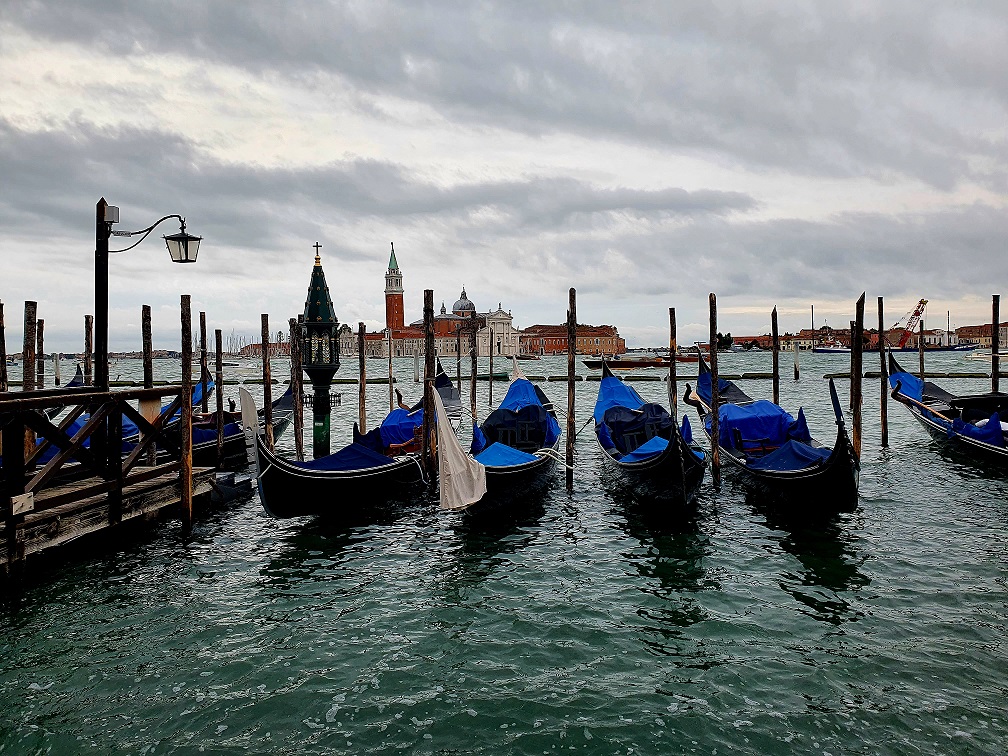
{"x": 463, "y": 305}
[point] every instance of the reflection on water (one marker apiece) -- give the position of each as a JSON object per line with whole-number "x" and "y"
{"x": 829, "y": 559}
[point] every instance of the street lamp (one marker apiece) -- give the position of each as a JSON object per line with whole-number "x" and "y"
{"x": 182, "y": 248}
{"x": 320, "y": 353}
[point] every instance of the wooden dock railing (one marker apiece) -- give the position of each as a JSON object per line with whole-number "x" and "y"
{"x": 103, "y": 467}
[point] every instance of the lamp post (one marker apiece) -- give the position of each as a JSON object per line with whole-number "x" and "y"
{"x": 181, "y": 246}
{"x": 320, "y": 353}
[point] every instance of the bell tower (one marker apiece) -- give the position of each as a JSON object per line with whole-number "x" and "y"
{"x": 394, "y": 318}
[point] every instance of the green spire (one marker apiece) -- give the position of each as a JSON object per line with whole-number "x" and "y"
{"x": 392, "y": 264}
{"x": 318, "y": 306}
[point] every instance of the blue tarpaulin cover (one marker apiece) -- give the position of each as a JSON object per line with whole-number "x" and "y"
{"x": 793, "y": 455}
{"x": 990, "y": 433}
{"x": 398, "y": 426}
{"x": 911, "y": 385}
{"x": 352, "y": 457}
{"x": 513, "y": 417}
{"x": 614, "y": 393}
{"x": 686, "y": 430}
{"x": 502, "y": 455}
{"x": 202, "y": 435}
{"x": 651, "y": 448}
{"x": 762, "y": 423}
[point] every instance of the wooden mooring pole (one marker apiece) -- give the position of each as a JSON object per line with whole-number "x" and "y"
{"x": 776, "y": 356}
{"x": 571, "y": 351}
{"x": 850, "y": 399}
{"x": 857, "y": 371}
{"x": 995, "y": 342}
{"x": 458, "y": 358}
{"x": 153, "y": 408}
{"x": 361, "y": 379}
{"x": 28, "y": 365}
{"x": 267, "y": 384}
{"x": 490, "y": 368}
{"x": 391, "y": 378}
{"x": 185, "y": 469}
{"x": 219, "y": 393}
{"x": 428, "y": 383}
{"x": 3, "y": 353}
{"x": 920, "y": 347}
{"x": 884, "y": 375}
{"x": 473, "y": 353}
{"x": 715, "y": 450}
{"x": 204, "y": 368}
{"x": 88, "y": 349}
{"x": 794, "y": 348}
{"x": 296, "y": 388}
{"x": 673, "y": 346}
{"x": 39, "y": 355}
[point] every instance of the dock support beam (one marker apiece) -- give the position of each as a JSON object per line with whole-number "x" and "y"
{"x": 28, "y": 365}
{"x": 39, "y": 355}
{"x": 88, "y": 349}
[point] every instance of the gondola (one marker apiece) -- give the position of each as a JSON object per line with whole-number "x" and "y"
{"x": 970, "y": 424}
{"x": 76, "y": 382}
{"x": 773, "y": 453}
{"x": 376, "y": 469}
{"x": 511, "y": 455}
{"x": 646, "y": 451}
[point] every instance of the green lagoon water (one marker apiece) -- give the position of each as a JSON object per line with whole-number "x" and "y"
{"x": 577, "y": 624}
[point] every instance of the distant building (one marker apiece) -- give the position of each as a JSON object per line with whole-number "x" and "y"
{"x": 552, "y": 339}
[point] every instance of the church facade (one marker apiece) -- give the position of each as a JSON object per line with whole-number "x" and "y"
{"x": 495, "y": 330}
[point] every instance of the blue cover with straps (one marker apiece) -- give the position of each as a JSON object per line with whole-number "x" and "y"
{"x": 614, "y": 393}
{"x": 990, "y": 433}
{"x": 398, "y": 426}
{"x": 760, "y": 425}
{"x": 521, "y": 408}
{"x": 792, "y": 455}
{"x": 910, "y": 385}
{"x": 352, "y": 457}
{"x": 502, "y": 455}
{"x": 650, "y": 448}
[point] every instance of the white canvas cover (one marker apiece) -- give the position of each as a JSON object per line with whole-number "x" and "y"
{"x": 516, "y": 373}
{"x": 462, "y": 479}
{"x": 250, "y": 421}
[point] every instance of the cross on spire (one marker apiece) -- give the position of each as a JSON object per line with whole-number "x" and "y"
{"x": 318, "y": 259}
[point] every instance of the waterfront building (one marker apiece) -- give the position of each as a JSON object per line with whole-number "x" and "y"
{"x": 552, "y": 339}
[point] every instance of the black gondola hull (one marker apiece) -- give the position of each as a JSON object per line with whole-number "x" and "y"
{"x": 287, "y": 490}
{"x": 668, "y": 482}
{"x": 512, "y": 486}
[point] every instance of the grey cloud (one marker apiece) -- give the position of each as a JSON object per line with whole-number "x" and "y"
{"x": 908, "y": 88}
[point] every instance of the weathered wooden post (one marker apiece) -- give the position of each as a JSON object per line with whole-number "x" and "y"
{"x": 458, "y": 357}
{"x": 39, "y": 355}
{"x": 490, "y": 337}
{"x": 416, "y": 365}
{"x": 794, "y": 348}
{"x": 920, "y": 347}
{"x": 857, "y": 371}
{"x": 149, "y": 408}
{"x": 3, "y": 353}
{"x": 673, "y": 347}
{"x": 28, "y": 366}
{"x": 267, "y": 384}
{"x": 296, "y": 388}
{"x": 995, "y": 342}
{"x": 219, "y": 393}
{"x": 473, "y": 353}
{"x": 361, "y": 379}
{"x": 571, "y": 350}
{"x": 204, "y": 367}
{"x": 884, "y": 375}
{"x": 88, "y": 348}
{"x": 185, "y": 469}
{"x": 428, "y": 384}
{"x": 57, "y": 379}
{"x": 776, "y": 355}
{"x": 391, "y": 379}
{"x": 715, "y": 399}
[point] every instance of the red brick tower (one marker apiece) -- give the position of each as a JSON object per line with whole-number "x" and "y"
{"x": 394, "y": 318}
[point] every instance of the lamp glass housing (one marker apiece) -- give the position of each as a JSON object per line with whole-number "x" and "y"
{"x": 183, "y": 247}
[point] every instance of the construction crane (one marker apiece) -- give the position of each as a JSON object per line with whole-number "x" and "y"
{"x": 911, "y": 323}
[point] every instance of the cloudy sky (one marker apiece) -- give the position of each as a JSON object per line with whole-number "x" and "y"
{"x": 780, "y": 154}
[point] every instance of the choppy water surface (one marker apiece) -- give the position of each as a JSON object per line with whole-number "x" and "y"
{"x": 576, "y": 624}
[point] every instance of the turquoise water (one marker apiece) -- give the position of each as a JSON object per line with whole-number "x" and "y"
{"x": 577, "y": 624}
